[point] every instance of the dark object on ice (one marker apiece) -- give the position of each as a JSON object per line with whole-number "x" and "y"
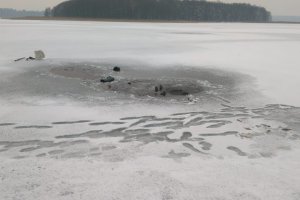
{"x": 286, "y": 129}
{"x": 107, "y": 79}
{"x": 19, "y": 59}
{"x": 160, "y": 87}
{"x": 117, "y": 69}
{"x": 178, "y": 92}
{"x": 189, "y": 99}
{"x": 30, "y": 58}
{"x": 163, "y": 93}
{"x": 129, "y": 83}
{"x": 156, "y": 89}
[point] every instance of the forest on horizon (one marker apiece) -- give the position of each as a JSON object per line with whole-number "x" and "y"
{"x": 189, "y": 10}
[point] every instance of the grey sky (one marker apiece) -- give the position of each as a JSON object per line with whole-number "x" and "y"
{"x": 277, "y": 7}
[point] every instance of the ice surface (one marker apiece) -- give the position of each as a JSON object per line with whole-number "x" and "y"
{"x": 269, "y": 52}
{"x": 65, "y": 135}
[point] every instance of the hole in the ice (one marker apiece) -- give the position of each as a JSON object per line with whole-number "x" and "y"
{"x": 154, "y": 87}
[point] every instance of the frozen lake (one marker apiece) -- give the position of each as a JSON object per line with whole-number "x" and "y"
{"x": 198, "y": 111}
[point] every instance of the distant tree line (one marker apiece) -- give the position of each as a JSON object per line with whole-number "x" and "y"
{"x": 11, "y": 13}
{"x": 191, "y": 10}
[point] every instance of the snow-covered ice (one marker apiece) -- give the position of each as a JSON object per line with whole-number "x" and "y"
{"x": 65, "y": 135}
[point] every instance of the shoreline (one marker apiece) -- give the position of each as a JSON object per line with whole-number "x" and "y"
{"x": 100, "y": 20}
{"x": 135, "y": 20}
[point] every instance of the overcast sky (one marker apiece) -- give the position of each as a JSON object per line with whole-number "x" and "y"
{"x": 277, "y": 7}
